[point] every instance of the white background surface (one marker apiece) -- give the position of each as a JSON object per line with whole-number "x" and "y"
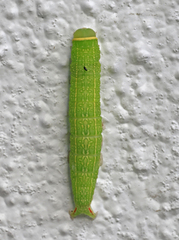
{"x": 137, "y": 192}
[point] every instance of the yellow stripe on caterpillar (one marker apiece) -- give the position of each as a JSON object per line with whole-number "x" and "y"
{"x": 86, "y": 38}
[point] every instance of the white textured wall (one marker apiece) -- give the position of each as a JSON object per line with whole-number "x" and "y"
{"x": 137, "y": 191}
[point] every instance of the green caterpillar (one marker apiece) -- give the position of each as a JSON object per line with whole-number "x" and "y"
{"x": 85, "y": 120}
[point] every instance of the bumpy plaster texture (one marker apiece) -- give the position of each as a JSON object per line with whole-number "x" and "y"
{"x": 137, "y": 191}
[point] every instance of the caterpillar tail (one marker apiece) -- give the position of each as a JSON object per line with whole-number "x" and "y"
{"x": 83, "y": 210}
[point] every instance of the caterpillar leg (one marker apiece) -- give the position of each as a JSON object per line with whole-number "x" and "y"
{"x": 101, "y": 159}
{"x": 68, "y": 157}
{"x": 83, "y": 210}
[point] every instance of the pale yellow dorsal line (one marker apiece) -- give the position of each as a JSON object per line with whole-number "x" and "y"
{"x": 86, "y": 38}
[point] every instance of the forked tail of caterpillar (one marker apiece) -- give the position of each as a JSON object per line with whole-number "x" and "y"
{"x": 83, "y": 210}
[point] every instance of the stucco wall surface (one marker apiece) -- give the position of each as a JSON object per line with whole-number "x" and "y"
{"x": 137, "y": 191}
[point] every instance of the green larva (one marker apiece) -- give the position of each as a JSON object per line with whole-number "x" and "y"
{"x": 85, "y": 120}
